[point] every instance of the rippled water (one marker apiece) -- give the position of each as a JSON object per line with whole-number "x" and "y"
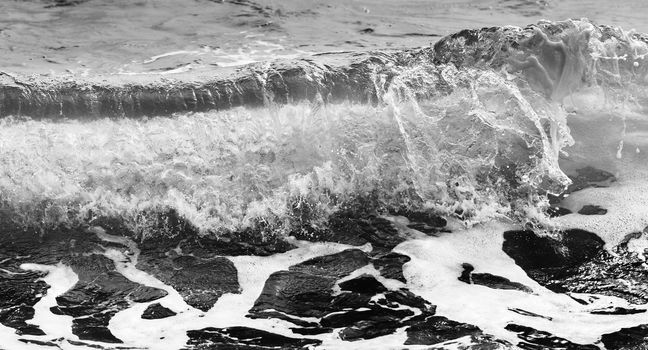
{"x": 89, "y": 36}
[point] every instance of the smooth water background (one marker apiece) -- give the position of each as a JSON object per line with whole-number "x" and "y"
{"x": 159, "y": 36}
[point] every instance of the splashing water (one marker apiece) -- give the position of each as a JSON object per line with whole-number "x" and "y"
{"x": 478, "y": 141}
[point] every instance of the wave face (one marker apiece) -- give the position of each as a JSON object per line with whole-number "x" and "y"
{"x": 476, "y": 127}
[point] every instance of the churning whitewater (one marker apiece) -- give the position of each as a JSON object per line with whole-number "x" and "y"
{"x": 488, "y": 192}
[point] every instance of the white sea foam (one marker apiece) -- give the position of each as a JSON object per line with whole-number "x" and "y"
{"x": 230, "y": 310}
{"x": 60, "y": 278}
{"x": 436, "y": 265}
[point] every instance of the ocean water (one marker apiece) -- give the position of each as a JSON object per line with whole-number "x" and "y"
{"x": 488, "y": 131}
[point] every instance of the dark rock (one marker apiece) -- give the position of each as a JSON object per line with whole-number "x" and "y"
{"x": 296, "y": 293}
{"x": 365, "y": 284}
{"x": 578, "y": 300}
{"x": 40, "y": 343}
{"x": 306, "y": 288}
{"x": 157, "y": 311}
{"x": 368, "y": 329}
{"x": 438, "y": 329}
{"x": 375, "y": 315}
{"x": 281, "y": 316}
{"x": 529, "y": 313}
{"x": 465, "y": 276}
{"x": 617, "y": 311}
{"x": 405, "y": 297}
{"x": 584, "y": 178}
{"x": 534, "y": 339}
{"x": 15, "y": 316}
{"x": 391, "y": 265}
{"x": 245, "y": 338}
{"x": 304, "y": 295}
{"x": 498, "y": 282}
{"x": 384, "y": 302}
{"x": 335, "y": 265}
{"x": 578, "y": 263}
{"x": 489, "y": 280}
{"x": 428, "y": 218}
{"x": 382, "y": 234}
{"x": 349, "y": 228}
{"x": 94, "y": 328}
{"x": 430, "y": 231}
{"x": 248, "y": 242}
{"x": 217, "y": 277}
{"x": 99, "y": 294}
{"x": 311, "y": 330}
{"x": 592, "y": 210}
{"x": 633, "y": 338}
{"x": 80, "y": 343}
{"x": 531, "y": 251}
{"x": 20, "y": 290}
{"x": 425, "y": 222}
{"x": 173, "y": 231}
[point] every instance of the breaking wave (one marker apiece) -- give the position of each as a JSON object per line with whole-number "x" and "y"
{"x": 477, "y": 127}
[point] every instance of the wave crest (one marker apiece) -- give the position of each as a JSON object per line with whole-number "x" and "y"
{"x": 473, "y": 127}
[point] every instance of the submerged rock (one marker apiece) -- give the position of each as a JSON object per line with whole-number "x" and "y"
{"x": 217, "y": 277}
{"x": 100, "y": 293}
{"x": 592, "y": 210}
{"x": 591, "y": 177}
{"x": 243, "y": 338}
{"x": 20, "y": 290}
{"x": 18, "y": 294}
{"x": 355, "y": 229}
{"x": 537, "y": 340}
{"x": 366, "y": 324}
{"x": 489, "y": 280}
{"x": 391, "y": 265}
{"x": 360, "y": 308}
{"x": 365, "y": 284}
{"x": 157, "y": 311}
{"x": 438, "y": 329}
{"x": 425, "y": 222}
{"x": 176, "y": 260}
